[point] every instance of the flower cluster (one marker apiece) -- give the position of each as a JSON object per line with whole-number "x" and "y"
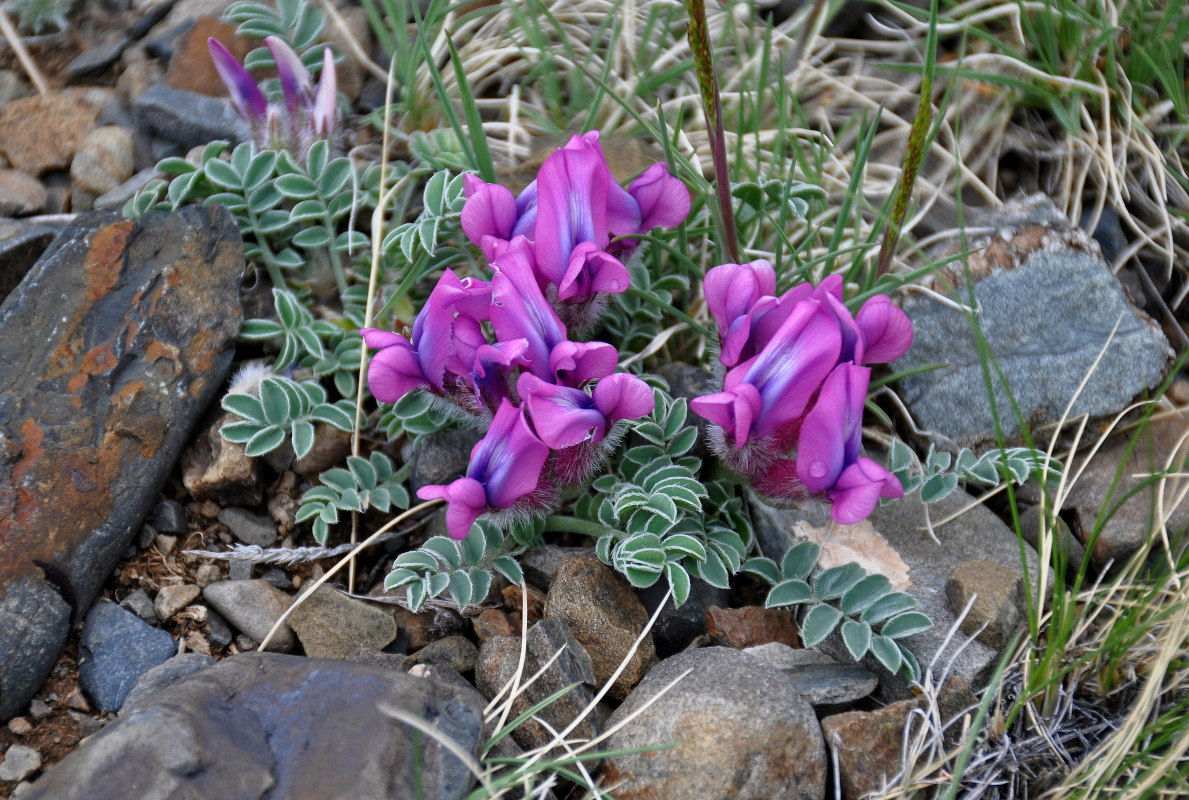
{"x": 306, "y": 115}
{"x": 501, "y": 350}
{"x": 790, "y": 412}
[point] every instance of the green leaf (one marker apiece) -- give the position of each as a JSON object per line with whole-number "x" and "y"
{"x": 713, "y": 571}
{"x": 818, "y": 623}
{"x": 333, "y": 415}
{"x": 222, "y": 174}
{"x": 418, "y": 592}
{"x": 480, "y": 585}
{"x": 509, "y": 568}
{"x": 910, "y": 665}
{"x": 789, "y": 592}
{"x": 864, "y": 593}
{"x": 260, "y": 169}
{"x": 334, "y": 178}
{"x": 445, "y": 549}
{"x": 461, "y": 589}
{"x": 398, "y": 578}
{"x": 175, "y": 166}
{"x": 241, "y": 432}
{"x": 888, "y": 606}
{"x": 679, "y": 582}
{"x": 307, "y": 211}
{"x": 265, "y": 441}
{"x": 275, "y": 401}
{"x": 799, "y": 561}
{"x": 416, "y": 559}
{"x": 303, "y": 437}
{"x": 857, "y": 638}
{"x": 886, "y": 652}
{"x": 685, "y": 545}
{"x": 939, "y": 487}
{"x": 763, "y": 568}
{"x": 438, "y": 583}
{"x": 313, "y": 237}
{"x": 244, "y": 405}
{"x": 906, "y": 624}
{"x": 316, "y": 158}
{"x": 683, "y": 441}
{"x": 297, "y": 187}
{"x": 364, "y": 472}
{"x": 837, "y": 581}
{"x": 264, "y": 198}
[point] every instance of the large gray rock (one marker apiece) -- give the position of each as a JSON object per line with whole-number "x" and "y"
{"x": 186, "y": 118}
{"x": 977, "y": 534}
{"x": 1048, "y": 304}
{"x": 264, "y": 725}
{"x": 110, "y": 348}
{"x": 732, "y": 728}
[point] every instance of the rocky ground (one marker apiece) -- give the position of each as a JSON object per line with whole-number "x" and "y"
{"x": 130, "y": 646}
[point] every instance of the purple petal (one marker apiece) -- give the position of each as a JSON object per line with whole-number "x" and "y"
{"x": 466, "y": 499}
{"x": 887, "y": 331}
{"x": 663, "y": 199}
{"x": 832, "y": 431}
{"x": 509, "y": 459}
{"x": 858, "y": 491}
{"x": 732, "y": 289}
{"x": 571, "y": 208}
{"x": 376, "y": 338}
{"x": 394, "y": 371}
{"x": 526, "y": 212}
{"x": 519, "y": 309}
{"x": 245, "y": 94}
{"x": 623, "y": 396}
{"x": 853, "y": 345}
{"x": 295, "y": 78}
{"x": 562, "y": 416}
{"x": 325, "y": 114}
{"x": 591, "y": 271}
{"x": 734, "y": 411}
{"x": 575, "y": 363}
{"x": 490, "y": 211}
{"x": 830, "y": 285}
{"x": 492, "y": 367}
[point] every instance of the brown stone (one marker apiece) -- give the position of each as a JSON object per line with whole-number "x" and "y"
{"x": 415, "y": 626}
{"x": 110, "y": 348}
{"x": 331, "y": 625}
{"x": 103, "y": 162}
{"x": 997, "y": 609}
{"x": 190, "y": 66}
{"x": 20, "y": 194}
{"x": 514, "y": 601}
{"x": 751, "y": 626}
{"x": 216, "y": 469}
{"x": 605, "y": 617}
{"x": 493, "y": 622}
{"x": 869, "y": 744}
{"x": 43, "y": 132}
{"x": 20, "y": 726}
{"x": 331, "y": 448}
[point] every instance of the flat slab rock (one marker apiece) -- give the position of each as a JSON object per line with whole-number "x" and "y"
{"x": 110, "y": 348}
{"x": 264, "y": 725}
{"x": 1048, "y": 307}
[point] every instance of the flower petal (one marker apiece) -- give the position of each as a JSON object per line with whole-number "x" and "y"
{"x": 575, "y": 363}
{"x": 245, "y": 94}
{"x": 832, "y": 431}
{"x": 858, "y": 490}
{"x": 735, "y": 411}
{"x": 562, "y": 416}
{"x": 509, "y": 459}
{"x": 663, "y": 199}
{"x": 732, "y": 289}
{"x": 623, "y": 396}
{"x": 519, "y": 309}
{"x": 466, "y": 499}
{"x": 295, "y": 78}
{"x": 571, "y": 208}
{"x": 489, "y": 211}
{"x": 394, "y": 372}
{"x": 591, "y": 271}
{"x": 887, "y": 331}
{"x": 324, "y": 118}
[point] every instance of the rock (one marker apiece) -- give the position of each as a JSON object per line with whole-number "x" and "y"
{"x": 21, "y": 243}
{"x": 414, "y": 628}
{"x": 688, "y": 382}
{"x": 162, "y": 675}
{"x": 349, "y": 71}
{"x": 145, "y": 315}
{"x": 497, "y": 664}
{"x": 98, "y": 57}
{"x": 331, "y": 448}
{"x": 819, "y": 679}
{"x": 253, "y": 607}
{"x": 456, "y": 652}
{"x": 44, "y": 131}
{"x": 190, "y": 65}
{"x": 751, "y": 626}
{"x": 514, "y": 599}
{"x": 332, "y": 625}
{"x": 442, "y": 457}
{"x": 676, "y": 628}
{"x": 165, "y": 544}
{"x": 20, "y": 726}
{"x": 249, "y": 528}
{"x": 12, "y": 86}
{"x": 172, "y": 599}
{"x": 20, "y": 194}
{"x": 261, "y": 725}
{"x": 19, "y": 763}
{"x": 605, "y": 617}
{"x": 187, "y": 119}
{"x": 1048, "y": 306}
{"x": 869, "y": 745}
{"x": 77, "y": 700}
{"x": 998, "y": 600}
{"x": 169, "y": 516}
{"x": 1030, "y": 529}
{"x": 278, "y": 578}
{"x": 116, "y": 648}
{"x": 492, "y": 622}
{"x": 739, "y": 730}
{"x": 216, "y": 469}
{"x": 541, "y": 562}
{"x": 220, "y": 633}
{"x": 977, "y": 534}
{"x": 103, "y": 163}
{"x": 118, "y": 196}
{"x": 38, "y": 709}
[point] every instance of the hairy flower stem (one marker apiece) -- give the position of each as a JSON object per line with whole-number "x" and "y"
{"x": 699, "y": 43}
{"x": 556, "y": 524}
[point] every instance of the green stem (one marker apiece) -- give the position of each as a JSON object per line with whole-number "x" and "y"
{"x": 336, "y": 263}
{"x": 270, "y": 259}
{"x": 555, "y": 524}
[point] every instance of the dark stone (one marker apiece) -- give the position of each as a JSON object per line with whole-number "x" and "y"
{"x": 821, "y": 680}
{"x": 140, "y": 604}
{"x": 676, "y": 627}
{"x": 115, "y": 649}
{"x": 265, "y": 725}
{"x": 21, "y": 243}
{"x": 249, "y": 528}
{"x": 97, "y": 58}
{"x": 220, "y": 632}
{"x": 187, "y": 119}
{"x": 442, "y": 457}
{"x": 30, "y": 603}
{"x": 143, "y": 316}
{"x": 689, "y": 382}
{"x": 169, "y": 516}
{"x": 540, "y": 563}
{"x": 456, "y": 652}
{"x": 162, "y": 675}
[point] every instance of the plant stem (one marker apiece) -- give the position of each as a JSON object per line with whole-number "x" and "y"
{"x": 558, "y": 524}
{"x": 270, "y": 259}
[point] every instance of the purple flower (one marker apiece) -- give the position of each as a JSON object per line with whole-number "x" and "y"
{"x": 663, "y": 199}
{"x": 395, "y": 370}
{"x": 245, "y": 94}
{"x": 489, "y": 214}
{"x": 295, "y": 78}
{"x": 519, "y": 309}
{"x": 505, "y": 466}
{"x": 858, "y": 490}
{"x": 491, "y": 375}
{"x": 325, "y": 117}
{"x": 887, "y": 331}
{"x": 577, "y": 363}
{"x": 773, "y": 388}
{"x": 564, "y": 416}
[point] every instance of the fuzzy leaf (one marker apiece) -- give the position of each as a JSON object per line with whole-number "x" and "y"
{"x": 789, "y": 592}
{"x": 763, "y": 568}
{"x": 857, "y": 638}
{"x": 265, "y": 441}
{"x": 818, "y": 624}
{"x": 864, "y": 593}
{"x": 509, "y": 568}
{"x": 837, "y": 581}
{"x": 799, "y": 561}
{"x": 886, "y": 652}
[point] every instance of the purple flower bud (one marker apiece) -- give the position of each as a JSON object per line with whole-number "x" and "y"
{"x": 576, "y": 363}
{"x": 245, "y": 94}
{"x": 505, "y": 466}
{"x": 732, "y": 289}
{"x": 564, "y": 416}
{"x": 325, "y": 117}
{"x": 488, "y": 215}
{"x": 519, "y": 309}
{"x": 395, "y": 370}
{"x": 887, "y": 331}
{"x": 295, "y": 78}
{"x": 591, "y": 271}
{"x": 663, "y": 200}
{"x": 832, "y": 432}
{"x": 571, "y": 208}
{"x": 858, "y": 490}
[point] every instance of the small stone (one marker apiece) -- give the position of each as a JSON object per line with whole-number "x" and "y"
{"x": 77, "y": 700}
{"x": 493, "y": 622}
{"x": 819, "y": 679}
{"x": 278, "y": 578}
{"x": 218, "y": 470}
{"x": 44, "y": 131}
{"x": 249, "y": 528}
{"x": 165, "y": 544}
{"x": 87, "y": 724}
{"x": 456, "y": 652}
{"x": 1030, "y": 525}
{"x": 332, "y": 625}
{"x": 187, "y": 119}
{"x": 540, "y": 563}
{"x": 116, "y": 648}
{"x": 998, "y": 600}
{"x": 104, "y": 162}
{"x": 514, "y": 601}
{"x": 146, "y": 537}
{"x": 118, "y": 196}
{"x": 245, "y": 643}
{"x": 19, "y": 726}
{"x": 139, "y": 603}
{"x": 605, "y": 617}
{"x": 172, "y": 599}
{"x": 331, "y": 448}
{"x": 220, "y": 632}
{"x": 442, "y": 457}
{"x": 253, "y": 607}
{"x": 675, "y": 627}
{"x": 190, "y": 65}
{"x": 169, "y": 516}
{"x": 751, "y": 626}
{"x": 413, "y": 627}
{"x": 98, "y": 57}
{"x": 240, "y": 571}
{"x": 19, "y": 763}
{"x": 12, "y": 86}
{"x": 20, "y": 194}
{"x": 38, "y": 709}
{"x": 206, "y": 574}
